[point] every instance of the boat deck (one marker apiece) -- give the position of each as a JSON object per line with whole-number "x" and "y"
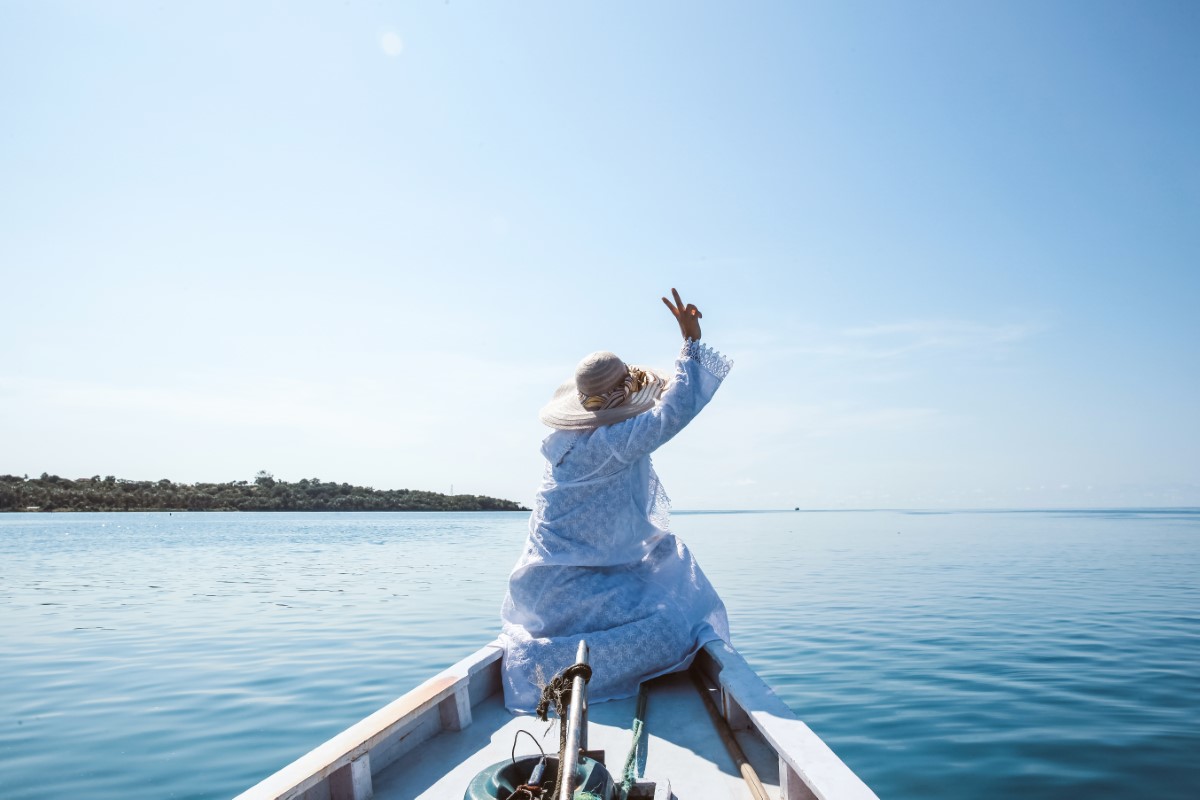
{"x": 432, "y": 741}
{"x": 681, "y": 751}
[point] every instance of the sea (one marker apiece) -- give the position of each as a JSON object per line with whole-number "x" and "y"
{"x": 972, "y": 654}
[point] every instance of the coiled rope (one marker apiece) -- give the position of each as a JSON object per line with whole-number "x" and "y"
{"x": 558, "y": 693}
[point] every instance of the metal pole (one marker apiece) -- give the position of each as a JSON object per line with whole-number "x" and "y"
{"x": 576, "y": 727}
{"x": 583, "y": 723}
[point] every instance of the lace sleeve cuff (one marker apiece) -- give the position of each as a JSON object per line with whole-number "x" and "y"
{"x": 706, "y": 357}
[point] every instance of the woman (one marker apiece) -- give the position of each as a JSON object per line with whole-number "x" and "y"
{"x": 600, "y": 563}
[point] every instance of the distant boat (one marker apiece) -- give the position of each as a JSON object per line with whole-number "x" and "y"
{"x": 453, "y": 733}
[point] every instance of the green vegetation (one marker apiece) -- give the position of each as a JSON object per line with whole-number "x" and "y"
{"x": 52, "y": 493}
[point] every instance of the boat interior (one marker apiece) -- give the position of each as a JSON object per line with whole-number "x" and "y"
{"x": 436, "y": 740}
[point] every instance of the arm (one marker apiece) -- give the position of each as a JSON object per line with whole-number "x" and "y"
{"x": 699, "y": 371}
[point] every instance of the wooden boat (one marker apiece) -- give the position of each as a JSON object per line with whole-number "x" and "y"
{"x": 435, "y": 740}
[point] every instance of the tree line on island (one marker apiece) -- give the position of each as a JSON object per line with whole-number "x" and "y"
{"x": 265, "y": 493}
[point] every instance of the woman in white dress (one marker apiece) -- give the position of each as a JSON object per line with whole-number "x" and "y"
{"x": 600, "y": 562}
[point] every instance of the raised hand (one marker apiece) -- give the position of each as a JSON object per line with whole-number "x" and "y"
{"x": 687, "y": 316}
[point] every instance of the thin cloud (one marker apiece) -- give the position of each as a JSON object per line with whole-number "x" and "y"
{"x": 946, "y": 331}
{"x": 894, "y": 340}
{"x": 824, "y": 421}
{"x": 279, "y": 404}
{"x": 831, "y": 419}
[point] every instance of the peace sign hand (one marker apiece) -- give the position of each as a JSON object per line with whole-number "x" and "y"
{"x": 687, "y": 316}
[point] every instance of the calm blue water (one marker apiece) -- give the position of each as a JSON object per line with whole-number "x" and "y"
{"x": 984, "y": 655}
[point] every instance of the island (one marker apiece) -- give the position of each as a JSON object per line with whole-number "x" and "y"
{"x": 264, "y": 493}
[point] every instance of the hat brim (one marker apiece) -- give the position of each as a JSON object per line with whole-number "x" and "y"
{"x": 566, "y": 413}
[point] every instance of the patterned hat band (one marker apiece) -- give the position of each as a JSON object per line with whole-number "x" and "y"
{"x": 635, "y": 380}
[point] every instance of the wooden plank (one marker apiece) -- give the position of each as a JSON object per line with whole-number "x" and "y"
{"x": 455, "y": 710}
{"x": 743, "y": 765}
{"x": 790, "y": 785}
{"x": 803, "y": 752}
{"x": 405, "y": 738}
{"x": 485, "y": 678}
{"x": 351, "y": 744}
{"x": 352, "y": 781}
{"x": 731, "y": 710}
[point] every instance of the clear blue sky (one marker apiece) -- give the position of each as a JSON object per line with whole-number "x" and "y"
{"x": 953, "y": 248}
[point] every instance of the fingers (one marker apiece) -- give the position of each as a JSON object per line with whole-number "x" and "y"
{"x": 679, "y": 309}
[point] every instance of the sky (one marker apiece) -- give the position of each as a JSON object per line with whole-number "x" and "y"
{"x": 953, "y": 249}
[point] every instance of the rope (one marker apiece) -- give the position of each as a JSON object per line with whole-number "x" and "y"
{"x": 558, "y": 693}
{"x": 639, "y": 723}
{"x": 532, "y": 790}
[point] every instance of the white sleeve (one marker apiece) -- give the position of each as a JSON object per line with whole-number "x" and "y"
{"x": 698, "y": 373}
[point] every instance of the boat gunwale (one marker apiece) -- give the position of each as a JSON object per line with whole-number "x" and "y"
{"x": 340, "y": 751}
{"x": 808, "y": 767}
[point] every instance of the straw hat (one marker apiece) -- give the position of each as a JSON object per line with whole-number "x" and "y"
{"x": 603, "y": 390}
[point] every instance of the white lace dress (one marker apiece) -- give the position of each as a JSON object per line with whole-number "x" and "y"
{"x": 600, "y": 562}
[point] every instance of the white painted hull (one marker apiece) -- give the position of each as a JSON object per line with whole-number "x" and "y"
{"x": 432, "y": 741}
